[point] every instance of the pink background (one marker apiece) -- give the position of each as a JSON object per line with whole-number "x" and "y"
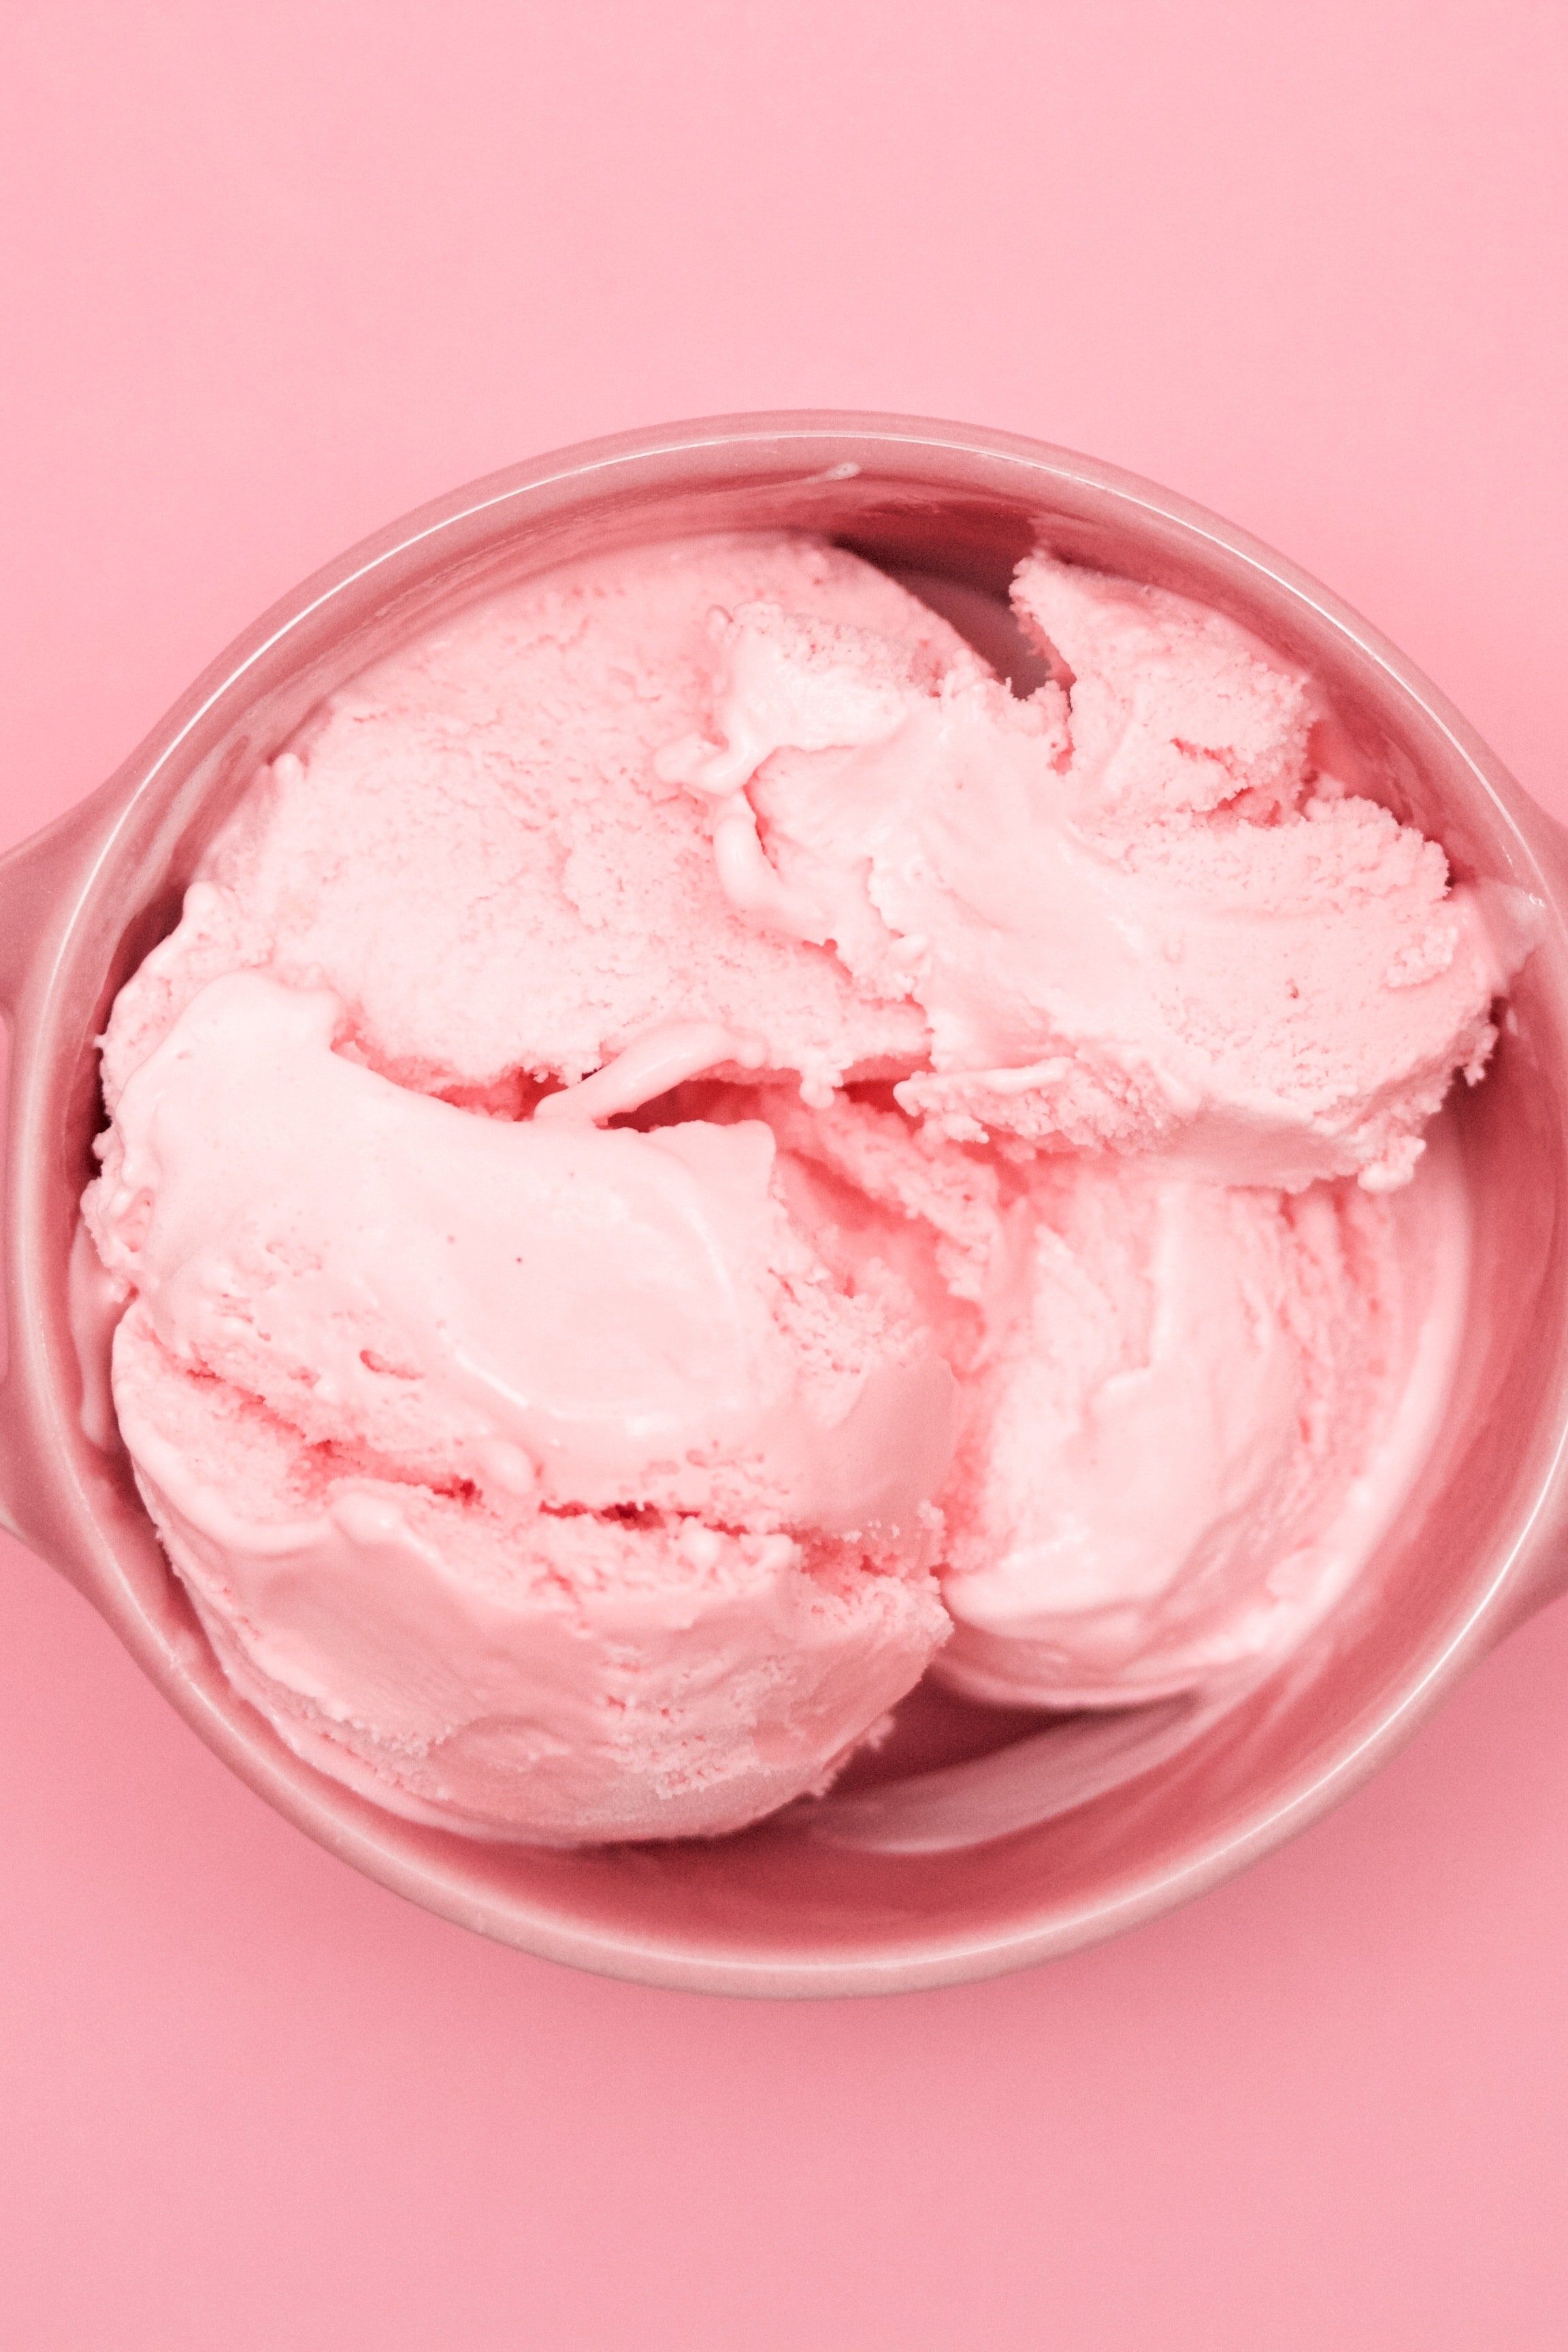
{"x": 273, "y": 274}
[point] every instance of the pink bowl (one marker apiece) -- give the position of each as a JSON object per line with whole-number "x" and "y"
{"x": 960, "y": 1864}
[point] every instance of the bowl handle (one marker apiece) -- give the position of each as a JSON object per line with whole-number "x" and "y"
{"x": 34, "y": 878}
{"x": 1547, "y": 1582}
{"x": 40, "y": 882}
{"x": 1547, "y": 1579}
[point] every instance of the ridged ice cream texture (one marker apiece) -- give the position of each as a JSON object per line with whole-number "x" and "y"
{"x": 1135, "y": 915}
{"x": 560, "y": 1479}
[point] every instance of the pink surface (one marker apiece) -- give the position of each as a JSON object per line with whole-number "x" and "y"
{"x": 270, "y": 279}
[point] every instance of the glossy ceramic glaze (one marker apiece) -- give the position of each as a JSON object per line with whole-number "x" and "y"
{"x": 978, "y": 1842}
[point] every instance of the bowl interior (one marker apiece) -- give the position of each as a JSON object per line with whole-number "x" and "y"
{"x": 1029, "y": 1839}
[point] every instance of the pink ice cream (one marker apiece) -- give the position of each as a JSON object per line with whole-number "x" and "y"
{"x": 471, "y": 846}
{"x": 558, "y": 1434}
{"x": 1174, "y": 1484}
{"x": 692, "y": 1157}
{"x": 1193, "y": 942}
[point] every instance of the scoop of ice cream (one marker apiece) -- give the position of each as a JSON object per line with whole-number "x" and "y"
{"x": 469, "y": 844}
{"x": 1168, "y": 1461}
{"x": 558, "y": 1677}
{"x": 434, "y": 1338}
{"x": 1133, "y": 914}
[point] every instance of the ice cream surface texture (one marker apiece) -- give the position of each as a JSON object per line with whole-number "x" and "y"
{"x": 692, "y": 1156}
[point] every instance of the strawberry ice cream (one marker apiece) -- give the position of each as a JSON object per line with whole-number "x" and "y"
{"x": 554, "y": 1436}
{"x": 1189, "y": 1467}
{"x": 693, "y": 1156}
{"x": 1194, "y": 944}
